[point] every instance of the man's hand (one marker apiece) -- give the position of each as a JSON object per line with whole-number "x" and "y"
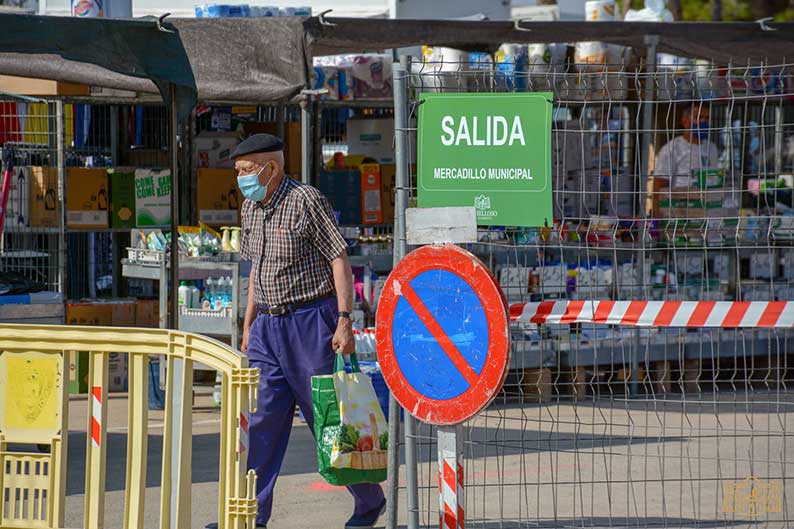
{"x": 246, "y": 334}
{"x": 343, "y": 341}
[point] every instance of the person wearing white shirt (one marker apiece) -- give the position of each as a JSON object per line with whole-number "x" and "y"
{"x": 689, "y": 152}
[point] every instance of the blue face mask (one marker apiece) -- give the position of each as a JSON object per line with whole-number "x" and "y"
{"x": 250, "y": 186}
{"x": 702, "y": 130}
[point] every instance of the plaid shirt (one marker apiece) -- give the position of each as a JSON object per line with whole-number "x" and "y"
{"x": 290, "y": 242}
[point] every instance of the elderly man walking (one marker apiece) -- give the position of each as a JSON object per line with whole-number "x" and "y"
{"x": 298, "y": 315}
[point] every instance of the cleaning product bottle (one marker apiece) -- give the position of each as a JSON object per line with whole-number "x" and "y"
{"x": 184, "y": 294}
{"x": 195, "y": 296}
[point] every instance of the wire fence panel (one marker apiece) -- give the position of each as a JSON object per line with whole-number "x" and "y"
{"x": 670, "y": 183}
{"x": 31, "y": 252}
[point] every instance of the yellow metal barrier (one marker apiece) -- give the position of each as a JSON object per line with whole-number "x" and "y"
{"x": 34, "y": 410}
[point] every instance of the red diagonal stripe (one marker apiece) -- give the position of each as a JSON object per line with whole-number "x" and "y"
{"x": 701, "y": 313}
{"x": 244, "y": 422}
{"x": 735, "y": 314}
{"x": 449, "y": 476}
{"x": 772, "y": 313}
{"x": 97, "y": 392}
{"x": 633, "y": 313}
{"x": 461, "y": 518}
{"x": 602, "y": 311}
{"x": 544, "y": 309}
{"x": 516, "y": 310}
{"x": 666, "y": 314}
{"x": 460, "y": 475}
{"x": 438, "y": 333}
{"x": 95, "y": 433}
{"x": 449, "y": 517}
{"x": 572, "y": 311}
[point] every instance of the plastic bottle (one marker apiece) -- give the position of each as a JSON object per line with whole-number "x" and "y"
{"x": 195, "y": 296}
{"x": 209, "y": 292}
{"x": 227, "y": 291}
{"x": 184, "y": 294}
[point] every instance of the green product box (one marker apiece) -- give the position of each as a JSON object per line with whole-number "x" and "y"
{"x": 152, "y": 198}
{"x": 709, "y": 178}
{"x": 122, "y": 198}
{"x": 78, "y": 372}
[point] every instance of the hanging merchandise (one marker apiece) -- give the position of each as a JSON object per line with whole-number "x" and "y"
{"x": 351, "y": 431}
{"x": 36, "y": 128}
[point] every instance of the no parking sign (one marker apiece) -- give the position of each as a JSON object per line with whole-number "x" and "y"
{"x": 443, "y": 334}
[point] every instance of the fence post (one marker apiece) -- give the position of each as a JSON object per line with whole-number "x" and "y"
{"x": 400, "y": 249}
{"x": 60, "y": 158}
{"x": 307, "y": 149}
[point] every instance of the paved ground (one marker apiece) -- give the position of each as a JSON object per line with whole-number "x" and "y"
{"x": 648, "y": 465}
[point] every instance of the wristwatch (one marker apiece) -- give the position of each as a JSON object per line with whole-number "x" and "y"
{"x": 345, "y": 314}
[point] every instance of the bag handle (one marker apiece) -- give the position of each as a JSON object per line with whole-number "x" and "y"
{"x": 339, "y": 363}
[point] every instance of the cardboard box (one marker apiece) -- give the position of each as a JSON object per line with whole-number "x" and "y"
{"x": 218, "y": 197}
{"x": 370, "y": 194}
{"x": 373, "y": 138}
{"x": 40, "y": 87}
{"x": 19, "y": 200}
{"x": 45, "y": 207}
{"x": 147, "y": 313}
{"x": 213, "y": 149}
{"x": 152, "y": 197}
{"x": 387, "y": 193}
{"x": 89, "y": 313}
{"x": 123, "y": 313}
{"x": 122, "y": 197}
{"x": 87, "y": 198}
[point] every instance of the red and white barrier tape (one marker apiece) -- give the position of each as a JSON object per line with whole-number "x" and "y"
{"x": 96, "y": 416}
{"x": 767, "y": 314}
{"x": 243, "y": 446}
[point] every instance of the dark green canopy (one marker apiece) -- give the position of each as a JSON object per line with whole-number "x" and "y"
{"x": 102, "y": 52}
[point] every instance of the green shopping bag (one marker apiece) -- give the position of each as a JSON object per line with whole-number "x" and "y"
{"x": 351, "y": 431}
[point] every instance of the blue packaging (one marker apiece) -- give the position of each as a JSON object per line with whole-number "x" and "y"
{"x": 222, "y": 11}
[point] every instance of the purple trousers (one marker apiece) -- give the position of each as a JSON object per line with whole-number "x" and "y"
{"x": 289, "y": 350}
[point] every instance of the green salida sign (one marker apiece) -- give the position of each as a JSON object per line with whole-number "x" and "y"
{"x": 490, "y": 151}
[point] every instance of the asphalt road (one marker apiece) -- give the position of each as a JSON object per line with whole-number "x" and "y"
{"x": 591, "y": 464}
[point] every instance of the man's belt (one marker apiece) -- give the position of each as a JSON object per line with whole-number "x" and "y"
{"x": 281, "y": 310}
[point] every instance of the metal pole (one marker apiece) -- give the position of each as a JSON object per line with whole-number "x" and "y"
{"x": 174, "y": 275}
{"x": 450, "y": 477}
{"x": 651, "y": 41}
{"x": 60, "y": 158}
{"x": 307, "y": 149}
{"x": 400, "y": 249}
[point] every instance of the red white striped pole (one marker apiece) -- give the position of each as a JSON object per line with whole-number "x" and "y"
{"x": 96, "y": 416}
{"x": 450, "y": 477}
{"x": 243, "y": 433}
{"x": 715, "y": 314}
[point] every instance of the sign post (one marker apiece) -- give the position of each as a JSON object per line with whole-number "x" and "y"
{"x": 443, "y": 346}
{"x": 490, "y": 151}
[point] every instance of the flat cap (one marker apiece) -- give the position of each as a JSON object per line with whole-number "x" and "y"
{"x": 258, "y": 143}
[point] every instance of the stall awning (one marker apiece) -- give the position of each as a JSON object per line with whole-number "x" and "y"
{"x": 125, "y": 54}
{"x": 724, "y": 43}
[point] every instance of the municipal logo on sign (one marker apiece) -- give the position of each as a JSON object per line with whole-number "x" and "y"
{"x": 482, "y": 202}
{"x": 442, "y": 334}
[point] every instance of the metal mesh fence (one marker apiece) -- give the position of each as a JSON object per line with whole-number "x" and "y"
{"x": 612, "y": 426}
{"x": 31, "y": 249}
